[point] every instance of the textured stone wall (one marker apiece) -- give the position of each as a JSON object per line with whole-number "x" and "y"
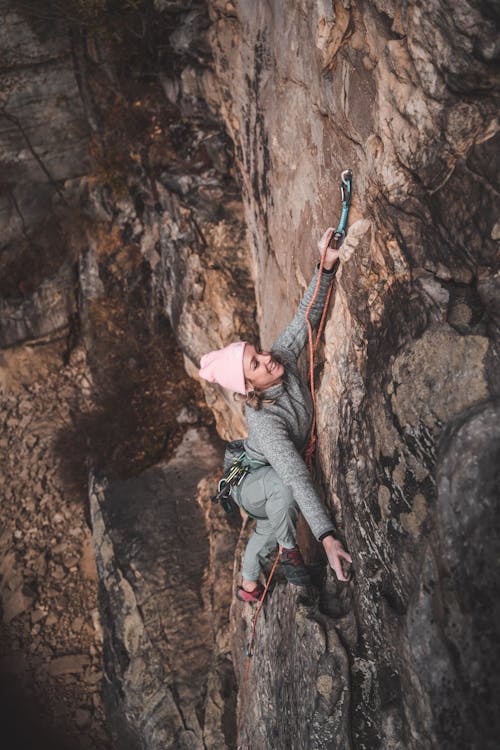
{"x": 163, "y": 634}
{"x": 128, "y": 218}
{"x": 406, "y": 95}
{"x": 214, "y": 169}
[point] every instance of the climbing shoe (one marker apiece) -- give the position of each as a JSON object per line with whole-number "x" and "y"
{"x": 250, "y": 596}
{"x": 293, "y": 567}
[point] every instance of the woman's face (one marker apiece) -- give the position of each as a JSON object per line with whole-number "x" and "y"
{"x": 260, "y": 368}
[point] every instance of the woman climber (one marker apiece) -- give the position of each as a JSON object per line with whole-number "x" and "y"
{"x": 278, "y": 409}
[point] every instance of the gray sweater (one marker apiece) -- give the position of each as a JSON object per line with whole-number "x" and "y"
{"x": 278, "y": 432}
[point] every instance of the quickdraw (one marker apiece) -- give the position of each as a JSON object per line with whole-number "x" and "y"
{"x": 232, "y": 478}
{"x": 345, "y": 199}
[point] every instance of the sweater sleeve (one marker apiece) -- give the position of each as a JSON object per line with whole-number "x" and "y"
{"x": 271, "y": 439}
{"x": 294, "y": 335}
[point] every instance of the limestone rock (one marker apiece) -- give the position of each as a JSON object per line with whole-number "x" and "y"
{"x": 285, "y": 96}
{"x": 87, "y": 561}
{"x": 15, "y": 603}
{"x": 62, "y": 665}
{"x": 82, "y": 718}
{"x": 152, "y": 554}
{"x": 419, "y": 142}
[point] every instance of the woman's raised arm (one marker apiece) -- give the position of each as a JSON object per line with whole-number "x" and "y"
{"x": 294, "y": 336}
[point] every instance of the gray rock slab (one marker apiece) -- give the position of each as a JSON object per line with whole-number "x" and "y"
{"x": 152, "y": 552}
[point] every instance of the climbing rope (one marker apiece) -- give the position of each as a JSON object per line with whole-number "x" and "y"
{"x": 249, "y": 649}
{"x": 345, "y": 197}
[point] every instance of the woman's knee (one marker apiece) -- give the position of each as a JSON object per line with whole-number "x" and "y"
{"x": 279, "y": 494}
{"x": 282, "y": 517}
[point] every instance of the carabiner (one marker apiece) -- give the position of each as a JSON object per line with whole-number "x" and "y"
{"x": 346, "y": 176}
{"x": 345, "y": 186}
{"x": 345, "y": 198}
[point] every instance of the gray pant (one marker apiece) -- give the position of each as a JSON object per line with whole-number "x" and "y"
{"x": 263, "y": 496}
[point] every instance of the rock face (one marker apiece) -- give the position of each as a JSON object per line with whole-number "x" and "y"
{"x": 44, "y": 141}
{"x": 152, "y": 552}
{"x": 217, "y": 141}
{"x": 84, "y": 294}
{"x": 411, "y": 346}
{"x": 51, "y": 641}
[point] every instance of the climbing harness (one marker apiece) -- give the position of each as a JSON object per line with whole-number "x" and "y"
{"x": 232, "y": 478}
{"x": 336, "y": 238}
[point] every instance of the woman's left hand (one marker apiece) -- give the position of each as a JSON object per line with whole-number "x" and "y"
{"x": 331, "y": 255}
{"x": 336, "y": 553}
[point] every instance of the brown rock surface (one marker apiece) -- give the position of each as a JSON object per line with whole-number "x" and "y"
{"x": 43, "y": 522}
{"x": 96, "y": 253}
{"x": 163, "y": 619}
{"x": 412, "y": 341}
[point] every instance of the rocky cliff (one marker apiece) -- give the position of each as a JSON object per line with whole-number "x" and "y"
{"x": 405, "y": 96}
{"x": 201, "y": 163}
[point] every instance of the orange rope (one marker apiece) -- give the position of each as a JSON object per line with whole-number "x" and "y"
{"x": 252, "y": 639}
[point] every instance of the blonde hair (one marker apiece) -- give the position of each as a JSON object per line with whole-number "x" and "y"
{"x": 253, "y": 397}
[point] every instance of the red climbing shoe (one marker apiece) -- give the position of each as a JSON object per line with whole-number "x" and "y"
{"x": 293, "y": 567}
{"x": 250, "y": 596}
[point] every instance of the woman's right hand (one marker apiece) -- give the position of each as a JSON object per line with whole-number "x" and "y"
{"x": 332, "y": 254}
{"x": 336, "y": 553}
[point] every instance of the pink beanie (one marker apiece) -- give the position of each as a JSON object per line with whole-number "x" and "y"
{"x": 225, "y": 367}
